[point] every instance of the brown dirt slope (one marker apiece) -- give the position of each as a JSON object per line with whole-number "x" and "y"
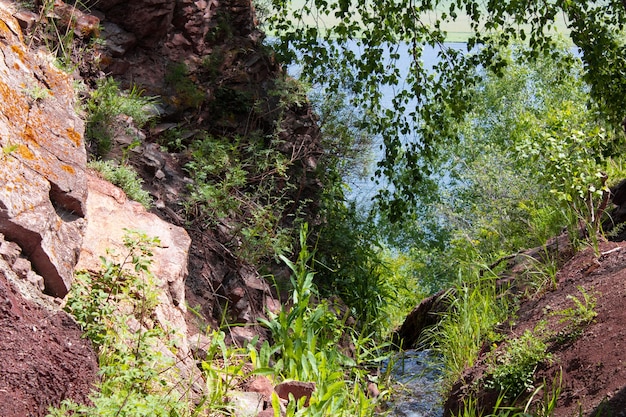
{"x": 592, "y": 361}
{"x": 43, "y": 358}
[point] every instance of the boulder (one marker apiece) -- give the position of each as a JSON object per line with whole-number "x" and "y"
{"x": 147, "y": 20}
{"x": 298, "y": 389}
{"x": 43, "y": 193}
{"x": 108, "y": 209}
{"x": 245, "y": 404}
{"x": 426, "y": 314}
{"x": 110, "y": 215}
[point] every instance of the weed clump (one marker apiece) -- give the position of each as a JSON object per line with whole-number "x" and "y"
{"x": 124, "y": 177}
{"x": 106, "y": 103}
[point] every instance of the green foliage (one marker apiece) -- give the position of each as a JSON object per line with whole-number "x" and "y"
{"x": 535, "y": 407}
{"x": 224, "y": 368}
{"x": 528, "y": 162}
{"x": 212, "y": 63}
{"x": 115, "y": 309}
{"x": 245, "y": 179}
{"x": 124, "y": 177}
{"x": 187, "y": 93}
{"x": 323, "y": 36}
{"x": 223, "y": 28}
{"x": 106, "y": 103}
{"x": 347, "y": 144}
{"x": 572, "y": 168}
{"x": 350, "y": 265}
{"x": 8, "y": 149}
{"x": 408, "y": 281}
{"x": 475, "y": 309}
{"x": 37, "y": 93}
{"x": 306, "y": 347}
{"x": 576, "y": 318}
{"x": 58, "y": 36}
{"x": 350, "y": 260}
{"x": 513, "y": 368}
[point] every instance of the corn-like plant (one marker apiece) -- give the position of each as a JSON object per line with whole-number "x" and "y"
{"x": 305, "y": 347}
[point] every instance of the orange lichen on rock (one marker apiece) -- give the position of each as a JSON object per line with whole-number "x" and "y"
{"x": 29, "y": 135}
{"x": 4, "y": 28}
{"x": 74, "y": 136}
{"x": 68, "y": 169}
{"x": 10, "y": 102}
{"x": 18, "y": 51}
{"x": 24, "y": 152}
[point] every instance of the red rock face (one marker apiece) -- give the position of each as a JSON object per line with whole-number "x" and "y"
{"x": 42, "y": 188}
{"x": 110, "y": 215}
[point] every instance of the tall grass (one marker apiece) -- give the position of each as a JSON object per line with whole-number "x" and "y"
{"x": 310, "y": 343}
{"x": 475, "y": 309}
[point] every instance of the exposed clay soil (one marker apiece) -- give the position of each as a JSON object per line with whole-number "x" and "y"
{"x": 592, "y": 364}
{"x": 43, "y": 358}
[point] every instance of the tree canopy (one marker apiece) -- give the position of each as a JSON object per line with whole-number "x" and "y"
{"x": 355, "y": 45}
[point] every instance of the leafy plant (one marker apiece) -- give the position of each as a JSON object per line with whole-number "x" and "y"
{"x": 124, "y": 177}
{"x": 513, "y": 368}
{"x": 576, "y": 318}
{"x": 8, "y": 149}
{"x": 305, "y": 348}
{"x": 106, "y": 103}
{"x": 534, "y": 407}
{"x": 115, "y": 309}
{"x": 360, "y": 51}
{"x": 242, "y": 178}
{"x": 187, "y": 93}
{"x": 223, "y": 368}
{"x": 475, "y": 309}
{"x": 37, "y": 93}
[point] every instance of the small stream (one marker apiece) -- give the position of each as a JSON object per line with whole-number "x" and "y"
{"x": 416, "y": 392}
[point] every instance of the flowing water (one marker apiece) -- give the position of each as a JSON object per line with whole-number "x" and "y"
{"x": 418, "y": 378}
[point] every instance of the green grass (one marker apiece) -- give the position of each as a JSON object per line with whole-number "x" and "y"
{"x": 475, "y": 309}
{"x": 306, "y": 347}
{"x": 124, "y": 177}
{"x": 106, "y": 103}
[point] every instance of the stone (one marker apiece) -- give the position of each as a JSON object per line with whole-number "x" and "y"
{"x": 199, "y": 345}
{"x": 147, "y": 20}
{"x": 372, "y": 390}
{"x": 110, "y": 215}
{"x": 43, "y": 191}
{"x": 109, "y": 209}
{"x": 117, "y": 40}
{"x": 242, "y": 335}
{"x": 261, "y": 385}
{"x": 298, "y": 389}
{"x": 245, "y": 404}
{"x": 21, "y": 267}
{"x": 9, "y": 251}
{"x": 83, "y": 24}
{"x": 26, "y": 19}
{"x": 427, "y": 313}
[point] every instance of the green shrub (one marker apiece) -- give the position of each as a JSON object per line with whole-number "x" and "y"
{"x": 187, "y": 93}
{"x": 475, "y": 309}
{"x": 576, "y": 318}
{"x": 244, "y": 179}
{"x": 306, "y": 347}
{"x": 106, "y": 103}
{"x": 136, "y": 378}
{"x": 513, "y": 368}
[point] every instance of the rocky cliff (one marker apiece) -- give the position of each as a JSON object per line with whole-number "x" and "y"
{"x": 56, "y": 216}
